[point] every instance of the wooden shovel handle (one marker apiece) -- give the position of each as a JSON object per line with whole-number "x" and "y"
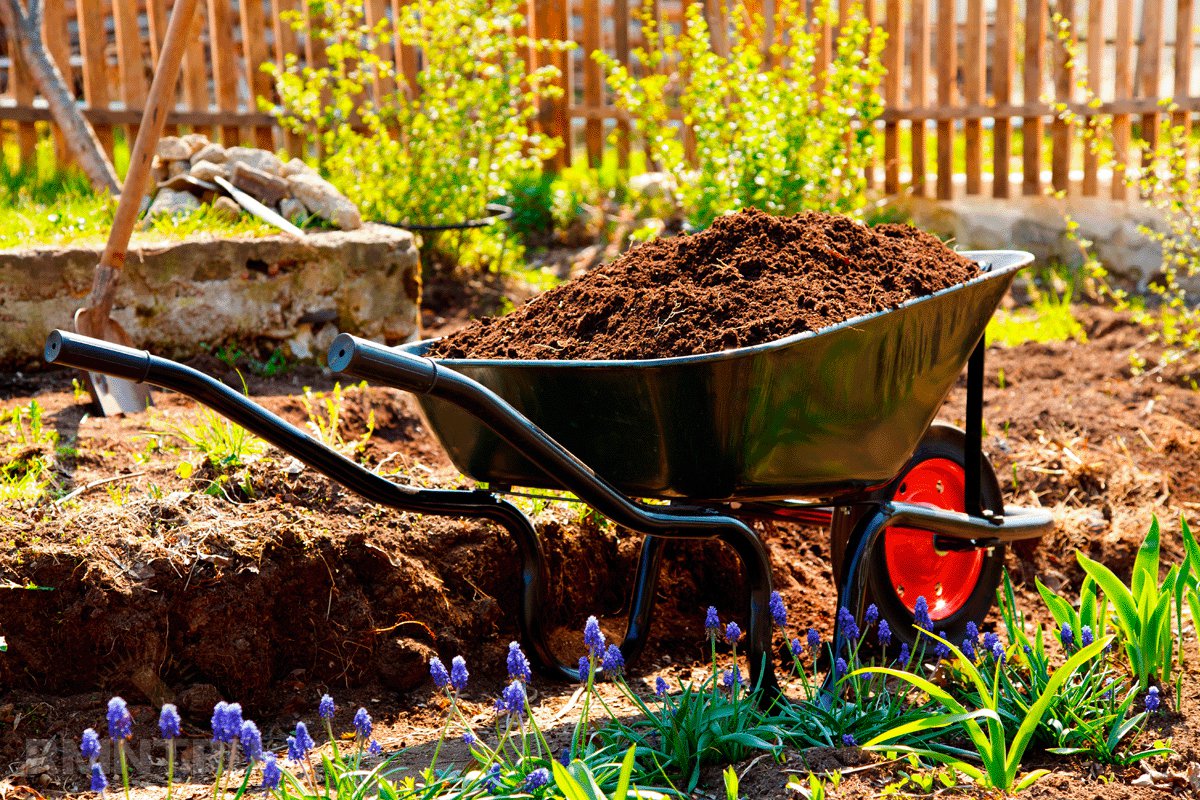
{"x": 154, "y": 117}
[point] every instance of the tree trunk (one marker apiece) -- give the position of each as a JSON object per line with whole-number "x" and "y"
{"x": 80, "y": 137}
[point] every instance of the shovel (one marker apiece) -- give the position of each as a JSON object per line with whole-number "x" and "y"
{"x": 117, "y": 395}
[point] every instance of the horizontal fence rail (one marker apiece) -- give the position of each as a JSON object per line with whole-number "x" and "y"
{"x": 969, "y": 94}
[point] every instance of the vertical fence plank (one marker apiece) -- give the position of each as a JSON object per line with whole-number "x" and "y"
{"x": 974, "y": 83}
{"x": 920, "y": 84}
{"x": 130, "y": 75}
{"x": 593, "y": 91}
{"x": 54, "y": 29}
{"x": 1095, "y": 82}
{"x": 621, "y": 48}
{"x": 894, "y": 59}
{"x": 406, "y": 55}
{"x": 93, "y": 43}
{"x": 194, "y": 78}
{"x": 1123, "y": 90}
{"x": 285, "y": 44}
{"x": 224, "y": 65}
{"x": 254, "y": 53}
{"x": 868, "y": 13}
{"x": 156, "y": 19}
{"x": 947, "y": 79}
{"x": 376, "y": 13}
{"x": 1031, "y": 126}
{"x": 1149, "y": 64}
{"x": 552, "y": 22}
{"x": 1183, "y": 61}
{"x": 20, "y": 83}
{"x": 1064, "y": 85}
{"x": 1002, "y": 60}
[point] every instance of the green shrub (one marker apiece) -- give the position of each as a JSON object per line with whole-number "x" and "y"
{"x": 769, "y": 133}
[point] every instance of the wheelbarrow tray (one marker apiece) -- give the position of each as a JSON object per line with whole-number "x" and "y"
{"x": 813, "y": 415}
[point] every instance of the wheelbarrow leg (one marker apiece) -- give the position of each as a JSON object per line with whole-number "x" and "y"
{"x": 852, "y": 586}
{"x": 641, "y": 597}
{"x": 756, "y": 564}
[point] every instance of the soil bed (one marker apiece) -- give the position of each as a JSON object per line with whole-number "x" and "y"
{"x": 271, "y": 585}
{"x": 748, "y": 279}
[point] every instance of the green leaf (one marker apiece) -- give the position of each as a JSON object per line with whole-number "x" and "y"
{"x": 1059, "y": 609}
{"x": 1030, "y": 778}
{"x": 1110, "y": 584}
{"x": 626, "y": 771}
{"x": 566, "y": 783}
{"x": 1145, "y": 566}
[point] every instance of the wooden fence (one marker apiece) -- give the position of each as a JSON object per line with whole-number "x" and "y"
{"x": 968, "y": 92}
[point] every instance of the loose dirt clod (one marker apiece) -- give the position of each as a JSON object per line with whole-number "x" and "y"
{"x": 750, "y": 278}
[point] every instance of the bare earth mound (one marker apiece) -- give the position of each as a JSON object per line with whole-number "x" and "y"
{"x": 750, "y": 278}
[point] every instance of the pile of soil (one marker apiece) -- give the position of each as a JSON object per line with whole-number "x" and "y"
{"x": 750, "y": 278}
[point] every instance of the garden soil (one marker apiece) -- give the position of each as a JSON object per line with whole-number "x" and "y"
{"x": 270, "y": 585}
{"x": 748, "y": 279}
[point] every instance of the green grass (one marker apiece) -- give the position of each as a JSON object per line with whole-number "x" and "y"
{"x": 1049, "y": 319}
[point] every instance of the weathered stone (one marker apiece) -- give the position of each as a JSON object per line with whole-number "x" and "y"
{"x": 220, "y": 291}
{"x": 158, "y": 170}
{"x": 268, "y": 188}
{"x": 653, "y": 185}
{"x": 227, "y": 208}
{"x": 195, "y": 142}
{"x": 252, "y": 157}
{"x": 292, "y": 209}
{"x": 296, "y": 167}
{"x": 206, "y": 170}
{"x": 172, "y": 148}
{"x": 172, "y": 203}
{"x": 212, "y": 152}
{"x": 402, "y": 663}
{"x": 176, "y": 168}
{"x": 322, "y": 198}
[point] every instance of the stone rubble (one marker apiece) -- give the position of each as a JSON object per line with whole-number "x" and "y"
{"x": 293, "y": 188}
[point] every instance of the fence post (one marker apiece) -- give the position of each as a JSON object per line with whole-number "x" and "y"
{"x": 551, "y": 22}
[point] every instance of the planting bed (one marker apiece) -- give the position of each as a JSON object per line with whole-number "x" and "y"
{"x": 275, "y": 585}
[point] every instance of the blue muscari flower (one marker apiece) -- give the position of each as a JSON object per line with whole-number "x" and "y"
{"x": 712, "y": 623}
{"x": 233, "y": 721}
{"x": 614, "y": 662}
{"x": 518, "y": 664}
{"x": 660, "y": 686}
{"x": 1086, "y": 636}
{"x": 797, "y": 648}
{"x": 218, "y": 721}
{"x": 584, "y": 668}
{"x": 374, "y": 748}
{"x": 814, "y": 641}
{"x": 921, "y": 614}
{"x": 90, "y": 746}
{"x": 941, "y": 651}
{"x": 1152, "y": 699}
{"x": 251, "y": 741}
{"x": 968, "y": 648}
{"x": 593, "y": 637}
{"x": 872, "y": 615}
{"x": 326, "y": 707}
{"x": 99, "y": 782}
{"x": 884, "y": 633}
{"x": 998, "y": 651}
{"x": 169, "y": 723}
{"x": 904, "y": 656}
{"x": 500, "y": 706}
{"x": 1067, "y": 636}
{"x": 437, "y": 671}
{"x": 120, "y": 723}
{"x": 272, "y": 774}
{"x": 564, "y": 757}
{"x": 469, "y": 738}
{"x": 845, "y": 621}
{"x": 732, "y": 677}
{"x": 733, "y": 633}
{"x": 514, "y": 699}
{"x": 294, "y": 753}
{"x": 492, "y": 781}
{"x": 303, "y": 741}
{"x": 972, "y": 631}
{"x": 537, "y": 779}
{"x": 840, "y": 668}
{"x": 458, "y": 673}
{"x": 848, "y": 740}
{"x": 362, "y": 724}
{"x": 778, "y": 610}
{"x": 989, "y": 641}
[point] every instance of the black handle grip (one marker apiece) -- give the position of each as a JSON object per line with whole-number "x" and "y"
{"x": 385, "y": 365}
{"x": 96, "y": 355}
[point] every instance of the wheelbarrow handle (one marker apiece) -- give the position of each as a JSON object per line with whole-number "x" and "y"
{"x": 97, "y": 355}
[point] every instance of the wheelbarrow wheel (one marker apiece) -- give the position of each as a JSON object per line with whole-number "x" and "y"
{"x": 958, "y": 585}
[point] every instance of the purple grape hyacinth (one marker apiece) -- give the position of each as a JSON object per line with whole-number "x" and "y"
{"x": 301, "y": 743}
{"x": 849, "y": 627}
{"x": 778, "y": 610}
{"x": 537, "y": 779}
{"x": 989, "y": 641}
{"x": 90, "y": 745}
{"x": 514, "y": 699}
{"x": 972, "y": 631}
{"x": 120, "y": 722}
{"x": 732, "y": 677}
{"x": 1067, "y": 636}
{"x": 998, "y": 651}
{"x": 968, "y": 648}
{"x": 437, "y": 671}
{"x": 469, "y": 738}
{"x": 585, "y": 665}
{"x": 614, "y": 663}
{"x": 251, "y": 741}
{"x": 375, "y": 748}
{"x": 660, "y": 686}
{"x": 593, "y": 637}
{"x": 226, "y": 721}
{"x": 169, "y": 724}
{"x": 814, "y": 642}
{"x": 271, "y": 773}
{"x": 797, "y": 648}
{"x": 458, "y": 673}
{"x": 733, "y": 633}
{"x": 884, "y": 633}
{"x": 840, "y": 668}
{"x": 712, "y": 623}
{"x": 940, "y": 650}
{"x": 99, "y": 782}
{"x": 921, "y": 616}
{"x": 518, "y": 664}
{"x": 362, "y": 724}
{"x": 1152, "y": 700}
{"x": 905, "y": 656}
{"x": 326, "y": 708}
{"x": 848, "y": 740}
{"x": 872, "y": 615}
{"x": 1086, "y": 637}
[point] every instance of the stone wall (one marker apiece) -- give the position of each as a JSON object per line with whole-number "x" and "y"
{"x": 1039, "y": 225}
{"x": 174, "y": 297}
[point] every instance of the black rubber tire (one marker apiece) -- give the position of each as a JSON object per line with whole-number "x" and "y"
{"x": 941, "y": 441}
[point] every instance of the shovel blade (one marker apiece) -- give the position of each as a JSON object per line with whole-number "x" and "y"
{"x": 113, "y": 395}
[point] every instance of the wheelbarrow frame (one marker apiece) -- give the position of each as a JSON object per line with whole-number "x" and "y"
{"x": 975, "y": 527}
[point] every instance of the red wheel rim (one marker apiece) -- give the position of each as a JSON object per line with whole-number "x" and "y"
{"x": 946, "y": 579}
